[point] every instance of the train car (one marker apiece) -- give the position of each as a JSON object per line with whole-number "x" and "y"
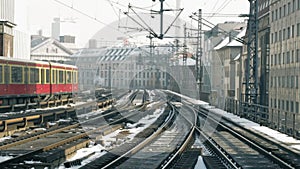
{"x": 26, "y": 81}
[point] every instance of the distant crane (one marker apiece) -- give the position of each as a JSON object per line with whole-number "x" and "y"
{"x": 56, "y": 25}
{"x": 69, "y": 20}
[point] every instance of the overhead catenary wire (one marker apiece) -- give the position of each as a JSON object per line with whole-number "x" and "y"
{"x": 93, "y": 18}
{"x": 211, "y": 25}
{"x": 215, "y": 5}
{"x": 224, "y": 4}
{"x": 112, "y": 6}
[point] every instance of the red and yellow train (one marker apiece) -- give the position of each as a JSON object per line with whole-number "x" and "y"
{"x": 32, "y": 82}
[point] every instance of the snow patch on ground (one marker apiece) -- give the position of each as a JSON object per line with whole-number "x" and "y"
{"x": 4, "y": 158}
{"x": 276, "y": 135}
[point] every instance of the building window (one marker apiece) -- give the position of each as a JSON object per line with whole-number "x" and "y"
{"x": 288, "y": 32}
{"x": 271, "y": 60}
{"x": 272, "y": 38}
{"x": 298, "y": 5}
{"x": 276, "y": 36}
{"x": 293, "y": 31}
{"x": 288, "y": 57}
{"x": 292, "y": 106}
{"x": 280, "y": 35}
{"x": 298, "y": 55}
{"x": 283, "y": 35}
{"x": 294, "y": 6}
{"x": 289, "y": 8}
{"x": 297, "y": 82}
{"x": 284, "y": 11}
{"x": 298, "y": 29}
{"x": 280, "y": 12}
{"x": 297, "y": 103}
{"x": 292, "y": 57}
{"x": 276, "y": 14}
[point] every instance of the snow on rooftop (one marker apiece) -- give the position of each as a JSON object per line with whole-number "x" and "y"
{"x": 189, "y": 61}
{"x": 222, "y": 44}
{"x": 233, "y": 42}
{"x": 240, "y": 35}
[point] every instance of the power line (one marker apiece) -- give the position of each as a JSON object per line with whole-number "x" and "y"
{"x": 224, "y": 4}
{"x": 112, "y": 6}
{"x": 215, "y": 5}
{"x": 93, "y": 18}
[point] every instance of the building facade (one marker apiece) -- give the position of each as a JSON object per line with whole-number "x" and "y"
{"x": 15, "y": 36}
{"x": 43, "y": 48}
{"x": 121, "y": 67}
{"x": 219, "y": 51}
{"x": 284, "y": 94}
{"x": 7, "y": 10}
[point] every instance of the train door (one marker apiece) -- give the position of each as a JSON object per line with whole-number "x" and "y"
{"x": 53, "y": 81}
{"x": 6, "y": 78}
{"x": 26, "y": 78}
{"x": 2, "y": 80}
{"x": 45, "y": 80}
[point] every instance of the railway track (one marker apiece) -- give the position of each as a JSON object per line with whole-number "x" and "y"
{"x": 120, "y": 153}
{"x": 239, "y": 148}
{"x": 235, "y": 145}
{"x": 30, "y": 146}
{"x": 161, "y": 150}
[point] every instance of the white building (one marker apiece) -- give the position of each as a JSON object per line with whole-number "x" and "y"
{"x": 21, "y": 31}
{"x": 16, "y": 12}
{"x": 7, "y": 10}
{"x": 43, "y": 48}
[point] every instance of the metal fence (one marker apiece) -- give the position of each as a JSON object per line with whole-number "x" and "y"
{"x": 280, "y": 120}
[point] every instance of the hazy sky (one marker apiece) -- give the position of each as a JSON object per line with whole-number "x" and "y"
{"x": 42, "y": 12}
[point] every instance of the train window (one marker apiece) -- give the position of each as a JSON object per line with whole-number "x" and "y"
{"x": 61, "y": 76}
{"x": 43, "y": 76}
{"x": 34, "y": 74}
{"x": 1, "y": 74}
{"x": 53, "y": 76}
{"x": 16, "y": 74}
{"x": 47, "y": 76}
{"x": 68, "y": 77}
{"x": 74, "y": 77}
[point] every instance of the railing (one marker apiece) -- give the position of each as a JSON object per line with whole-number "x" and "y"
{"x": 283, "y": 121}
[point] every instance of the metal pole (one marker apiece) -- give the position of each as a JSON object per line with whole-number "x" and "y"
{"x": 161, "y": 18}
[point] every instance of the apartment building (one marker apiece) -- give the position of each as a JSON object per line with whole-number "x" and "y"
{"x": 284, "y": 63}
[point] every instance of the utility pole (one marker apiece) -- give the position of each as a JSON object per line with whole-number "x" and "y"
{"x": 251, "y": 72}
{"x": 199, "y": 52}
{"x": 184, "y": 55}
{"x": 161, "y": 12}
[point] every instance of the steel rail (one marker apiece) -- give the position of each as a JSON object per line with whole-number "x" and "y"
{"x": 249, "y": 142}
{"x": 145, "y": 142}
